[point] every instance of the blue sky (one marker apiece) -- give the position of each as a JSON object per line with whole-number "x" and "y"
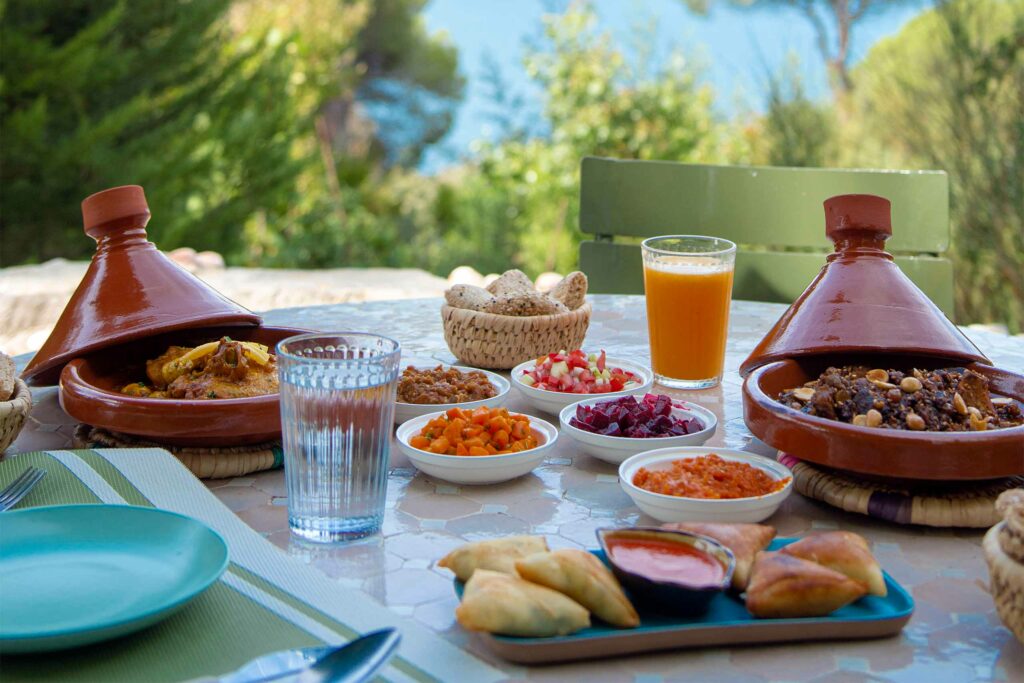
{"x": 736, "y": 46}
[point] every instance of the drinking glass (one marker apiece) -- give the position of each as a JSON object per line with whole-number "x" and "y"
{"x": 337, "y": 404}
{"x": 688, "y": 283}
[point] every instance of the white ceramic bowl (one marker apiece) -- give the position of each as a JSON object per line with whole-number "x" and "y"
{"x": 407, "y": 411}
{"x": 476, "y": 469}
{"x": 677, "y": 509}
{"x": 615, "y": 449}
{"x": 553, "y": 401}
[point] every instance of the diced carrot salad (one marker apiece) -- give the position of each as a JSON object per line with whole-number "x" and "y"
{"x": 483, "y": 431}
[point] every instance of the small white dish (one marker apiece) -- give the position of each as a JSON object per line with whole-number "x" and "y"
{"x": 476, "y": 469}
{"x": 407, "y": 411}
{"x": 666, "y": 508}
{"x": 616, "y": 449}
{"x": 553, "y": 401}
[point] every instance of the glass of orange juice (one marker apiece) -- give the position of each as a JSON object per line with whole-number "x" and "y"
{"x": 688, "y": 282}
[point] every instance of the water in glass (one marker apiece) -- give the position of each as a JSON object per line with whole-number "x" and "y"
{"x": 337, "y": 405}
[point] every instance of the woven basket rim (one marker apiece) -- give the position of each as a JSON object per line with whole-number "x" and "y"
{"x": 1013, "y": 571}
{"x": 20, "y": 400}
{"x": 446, "y": 308}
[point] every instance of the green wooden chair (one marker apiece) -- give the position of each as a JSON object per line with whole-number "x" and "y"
{"x": 775, "y": 215}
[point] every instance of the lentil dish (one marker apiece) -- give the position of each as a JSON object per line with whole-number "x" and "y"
{"x": 709, "y": 477}
{"x": 484, "y": 431}
{"x": 942, "y": 400}
{"x": 439, "y": 385}
{"x": 219, "y": 369}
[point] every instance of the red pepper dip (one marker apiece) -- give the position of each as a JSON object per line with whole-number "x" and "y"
{"x": 709, "y": 476}
{"x": 661, "y": 560}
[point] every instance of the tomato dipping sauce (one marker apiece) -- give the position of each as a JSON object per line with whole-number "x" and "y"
{"x": 710, "y": 477}
{"x": 660, "y": 560}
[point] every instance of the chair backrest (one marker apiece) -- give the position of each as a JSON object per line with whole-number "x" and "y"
{"x": 775, "y": 215}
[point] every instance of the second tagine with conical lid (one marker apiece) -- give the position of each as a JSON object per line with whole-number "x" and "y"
{"x": 861, "y": 302}
{"x": 130, "y": 291}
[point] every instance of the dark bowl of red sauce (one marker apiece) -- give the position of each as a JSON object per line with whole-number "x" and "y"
{"x": 672, "y": 572}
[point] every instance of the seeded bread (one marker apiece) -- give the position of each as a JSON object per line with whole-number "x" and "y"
{"x": 511, "y": 282}
{"x": 571, "y": 291}
{"x": 525, "y": 304}
{"x": 468, "y": 297}
{"x": 8, "y": 375}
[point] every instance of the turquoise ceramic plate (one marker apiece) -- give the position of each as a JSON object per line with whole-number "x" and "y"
{"x": 71, "y": 575}
{"x": 726, "y": 622}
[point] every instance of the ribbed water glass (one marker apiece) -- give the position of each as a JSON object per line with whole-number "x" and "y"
{"x": 337, "y": 405}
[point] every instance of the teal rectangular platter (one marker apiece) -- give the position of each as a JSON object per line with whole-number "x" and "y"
{"x": 726, "y": 622}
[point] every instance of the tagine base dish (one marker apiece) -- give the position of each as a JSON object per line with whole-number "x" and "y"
{"x": 90, "y": 392}
{"x": 205, "y": 463}
{"x": 726, "y": 622}
{"x": 935, "y": 504}
{"x": 878, "y": 452}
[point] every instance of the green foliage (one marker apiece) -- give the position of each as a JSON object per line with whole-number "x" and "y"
{"x": 794, "y": 130}
{"x": 597, "y": 101}
{"x": 97, "y": 94}
{"x": 948, "y": 92}
{"x": 261, "y": 129}
{"x": 410, "y": 76}
{"x": 833, "y": 22}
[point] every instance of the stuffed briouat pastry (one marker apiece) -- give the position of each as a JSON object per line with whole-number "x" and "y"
{"x": 783, "y": 586}
{"x": 584, "y": 578}
{"x": 499, "y": 555}
{"x": 844, "y": 552}
{"x": 507, "y": 605}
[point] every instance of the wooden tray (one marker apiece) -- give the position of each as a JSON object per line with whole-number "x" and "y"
{"x": 727, "y": 622}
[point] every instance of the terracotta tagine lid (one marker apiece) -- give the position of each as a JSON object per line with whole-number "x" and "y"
{"x": 130, "y": 291}
{"x": 861, "y": 302}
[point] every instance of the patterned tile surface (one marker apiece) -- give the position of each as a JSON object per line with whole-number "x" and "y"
{"x": 954, "y": 635}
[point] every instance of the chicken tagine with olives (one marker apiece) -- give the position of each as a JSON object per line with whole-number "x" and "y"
{"x": 217, "y": 369}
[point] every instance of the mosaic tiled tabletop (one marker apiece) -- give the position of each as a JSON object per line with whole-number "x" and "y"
{"x": 954, "y": 635}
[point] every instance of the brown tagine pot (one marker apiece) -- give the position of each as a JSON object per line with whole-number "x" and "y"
{"x": 130, "y": 291}
{"x": 862, "y": 309}
{"x": 90, "y": 392}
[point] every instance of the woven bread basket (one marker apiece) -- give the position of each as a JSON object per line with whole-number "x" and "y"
{"x": 13, "y": 414}
{"x": 487, "y": 340}
{"x": 1003, "y": 552}
{"x": 1006, "y": 583}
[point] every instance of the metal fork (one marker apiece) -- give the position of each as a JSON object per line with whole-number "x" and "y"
{"x": 20, "y": 487}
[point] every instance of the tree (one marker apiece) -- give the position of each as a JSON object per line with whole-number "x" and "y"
{"x": 833, "y": 22}
{"x": 596, "y": 101}
{"x": 410, "y": 84}
{"x": 947, "y": 92}
{"x": 794, "y": 130}
{"x": 98, "y": 93}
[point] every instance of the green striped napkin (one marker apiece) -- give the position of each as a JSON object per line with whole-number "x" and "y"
{"x": 266, "y": 600}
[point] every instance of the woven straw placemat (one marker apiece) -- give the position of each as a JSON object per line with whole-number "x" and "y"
{"x": 938, "y": 504}
{"x": 205, "y": 463}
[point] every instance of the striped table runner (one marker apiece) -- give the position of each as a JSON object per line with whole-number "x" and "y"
{"x": 266, "y": 600}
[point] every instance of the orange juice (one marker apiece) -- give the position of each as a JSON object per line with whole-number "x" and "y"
{"x": 687, "y": 317}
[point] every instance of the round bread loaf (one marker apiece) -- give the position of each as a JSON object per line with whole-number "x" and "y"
{"x": 511, "y": 282}
{"x": 468, "y": 297}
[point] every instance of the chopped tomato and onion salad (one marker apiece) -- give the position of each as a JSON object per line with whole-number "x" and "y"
{"x": 483, "y": 431}
{"x": 576, "y": 372}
